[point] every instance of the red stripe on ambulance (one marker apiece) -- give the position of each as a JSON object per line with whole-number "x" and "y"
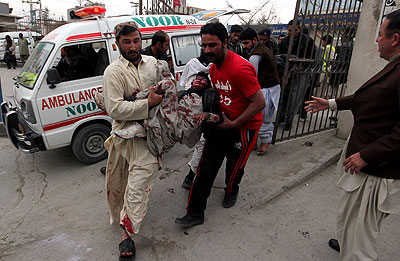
{"x": 80, "y": 37}
{"x": 60, "y": 124}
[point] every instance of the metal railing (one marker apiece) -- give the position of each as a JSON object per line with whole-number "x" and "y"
{"x": 314, "y": 68}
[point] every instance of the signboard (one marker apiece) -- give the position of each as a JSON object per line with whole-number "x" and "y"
{"x": 320, "y": 21}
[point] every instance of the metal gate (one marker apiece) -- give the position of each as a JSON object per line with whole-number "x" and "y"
{"x": 314, "y": 67}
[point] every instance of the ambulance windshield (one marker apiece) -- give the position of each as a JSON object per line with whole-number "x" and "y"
{"x": 36, "y": 61}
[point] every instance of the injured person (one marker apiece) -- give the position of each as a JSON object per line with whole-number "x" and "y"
{"x": 179, "y": 116}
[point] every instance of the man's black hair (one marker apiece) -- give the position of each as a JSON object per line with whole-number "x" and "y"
{"x": 216, "y": 29}
{"x": 236, "y": 29}
{"x": 394, "y": 23}
{"x": 248, "y": 34}
{"x": 327, "y": 38}
{"x": 159, "y": 37}
{"x": 205, "y": 75}
{"x": 203, "y": 59}
{"x": 292, "y": 21}
{"x": 127, "y": 30}
{"x": 282, "y": 35}
{"x": 265, "y": 32}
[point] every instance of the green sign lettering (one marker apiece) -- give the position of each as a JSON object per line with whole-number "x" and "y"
{"x": 70, "y": 110}
{"x": 140, "y": 21}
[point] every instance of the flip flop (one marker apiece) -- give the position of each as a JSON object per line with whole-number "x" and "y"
{"x": 127, "y": 246}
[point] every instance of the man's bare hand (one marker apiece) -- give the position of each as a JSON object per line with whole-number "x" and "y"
{"x": 227, "y": 123}
{"x": 154, "y": 98}
{"x": 354, "y": 163}
{"x": 316, "y": 104}
{"x": 199, "y": 118}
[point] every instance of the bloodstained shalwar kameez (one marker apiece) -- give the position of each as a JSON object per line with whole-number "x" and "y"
{"x": 131, "y": 168}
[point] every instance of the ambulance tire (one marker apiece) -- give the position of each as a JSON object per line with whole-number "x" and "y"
{"x": 88, "y": 143}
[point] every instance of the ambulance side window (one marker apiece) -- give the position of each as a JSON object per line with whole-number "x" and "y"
{"x": 185, "y": 48}
{"x": 80, "y": 61}
{"x": 146, "y": 42}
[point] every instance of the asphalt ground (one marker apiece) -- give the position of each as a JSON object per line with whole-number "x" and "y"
{"x": 53, "y": 207}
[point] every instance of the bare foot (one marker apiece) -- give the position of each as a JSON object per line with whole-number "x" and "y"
{"x": 263, "y": 148}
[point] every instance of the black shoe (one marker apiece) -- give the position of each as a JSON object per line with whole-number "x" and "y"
{"x": 229, "y": 200}
{"x": 188, "y": 181}
{"x": 189, "y": 221}
{"x": 103, "y": 170}
{"x": 334, "y": 244}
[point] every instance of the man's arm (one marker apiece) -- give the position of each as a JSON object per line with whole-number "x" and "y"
{"x": 344, "y": 103}
{"x": 255, "y": 60}
{"x": 317, "y": 104}
{"x": 257, "y": 103}
{"x": 117, "y": 107}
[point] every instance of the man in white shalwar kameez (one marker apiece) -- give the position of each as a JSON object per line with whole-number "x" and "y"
{"x": 131, "y": 168}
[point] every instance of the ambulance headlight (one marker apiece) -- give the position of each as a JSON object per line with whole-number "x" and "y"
{"x": 27, "y": 111}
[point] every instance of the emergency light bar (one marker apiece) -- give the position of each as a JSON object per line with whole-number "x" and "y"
{"x": 90, "y": 11}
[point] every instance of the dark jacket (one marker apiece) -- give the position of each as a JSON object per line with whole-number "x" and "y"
{"x": 273, "y": 47}
{"x": 79, "y": 67}
{"x": 376, "y": 131}
{"x": 147, "y": 51}
{"x": 267, "y": 71}
{"x": 304, "y": 46}
{"x": 237, "y": 48}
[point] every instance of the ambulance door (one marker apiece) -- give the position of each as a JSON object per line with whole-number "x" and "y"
{"x": 66, "y": 107}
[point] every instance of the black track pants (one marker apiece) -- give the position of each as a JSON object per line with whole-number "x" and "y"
{"x": 235, "y": 145}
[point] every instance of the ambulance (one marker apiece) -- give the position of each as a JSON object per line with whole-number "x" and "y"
{"x": 50, "y": 112}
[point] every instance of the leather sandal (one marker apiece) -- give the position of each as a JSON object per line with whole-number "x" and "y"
{"x": 127, "y": 246}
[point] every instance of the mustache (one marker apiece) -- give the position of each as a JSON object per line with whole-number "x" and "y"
{"x": 133, "y": 52}
{"x": 210, "y": 55}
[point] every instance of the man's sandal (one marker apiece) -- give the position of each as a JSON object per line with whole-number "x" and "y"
{"x": 127, "y": 246}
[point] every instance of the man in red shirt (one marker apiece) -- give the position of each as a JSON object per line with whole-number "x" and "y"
{"x": 241, "y": 102}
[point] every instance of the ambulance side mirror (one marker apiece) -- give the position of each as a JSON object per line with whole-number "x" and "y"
{"x": 53, "y": 77}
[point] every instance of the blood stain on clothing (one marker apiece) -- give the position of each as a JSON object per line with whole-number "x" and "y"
{"x": 127, "y": 224}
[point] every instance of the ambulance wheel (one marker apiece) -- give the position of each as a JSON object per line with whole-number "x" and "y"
{"x": 88, "y": 143}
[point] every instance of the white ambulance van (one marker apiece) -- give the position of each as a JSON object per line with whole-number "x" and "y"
{"x": 51, "y": 112}
{"x": 31, "y": 37}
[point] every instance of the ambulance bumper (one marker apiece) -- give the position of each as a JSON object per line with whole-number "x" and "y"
{"x": 20, "y": 134}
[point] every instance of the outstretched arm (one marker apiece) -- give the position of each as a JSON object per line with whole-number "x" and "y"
{"x": 316, "y": 104}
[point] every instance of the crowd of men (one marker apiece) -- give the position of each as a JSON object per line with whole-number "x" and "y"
{"x": 242, "y": 68}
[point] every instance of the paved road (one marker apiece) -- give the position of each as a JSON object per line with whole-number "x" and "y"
{"x": 57, "y": 211}
{"x": 54, "y": 208}
{"x": 6, "y": 80}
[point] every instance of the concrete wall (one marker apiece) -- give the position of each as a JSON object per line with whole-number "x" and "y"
{"x": 365, "y": 61}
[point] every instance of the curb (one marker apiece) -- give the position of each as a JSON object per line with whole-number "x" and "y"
{"x": 303, "y": 177}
